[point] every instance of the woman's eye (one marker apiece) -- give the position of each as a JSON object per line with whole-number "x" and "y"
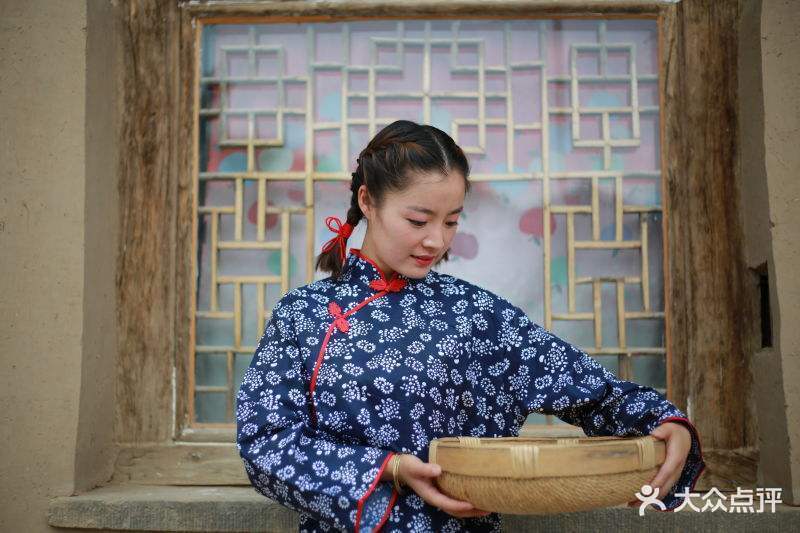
{"x": 420, "y": 223}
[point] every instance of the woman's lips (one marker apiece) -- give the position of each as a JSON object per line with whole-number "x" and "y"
{"x": 423, "y": 260}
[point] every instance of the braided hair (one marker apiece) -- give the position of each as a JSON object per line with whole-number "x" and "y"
{"x": 387, "y": 163}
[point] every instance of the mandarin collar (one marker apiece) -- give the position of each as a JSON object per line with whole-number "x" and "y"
{"x": 360, "y": 268}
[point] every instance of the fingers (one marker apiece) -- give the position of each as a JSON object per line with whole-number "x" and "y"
{"x": 673, "y": 479}
{"x": 418, "y": 468}
{"x": 670, "y": 471}
{"x": 469, "y": 514}
{"x": 660, "y": 432}
{"x": 412, "y": 468}
{"x": 430, "y": 494}
{"x": 418, "y": 475}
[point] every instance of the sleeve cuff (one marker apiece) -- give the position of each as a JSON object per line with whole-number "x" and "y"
{"x": 375, "y": 506}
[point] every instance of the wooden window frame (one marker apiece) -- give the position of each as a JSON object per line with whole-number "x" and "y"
{"x": 706, "y": 313}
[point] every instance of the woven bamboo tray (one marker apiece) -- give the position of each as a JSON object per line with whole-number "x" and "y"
{"x": 545, "y": 475}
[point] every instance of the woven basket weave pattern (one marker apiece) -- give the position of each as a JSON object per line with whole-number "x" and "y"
{"x": 545, "y": 495}
{"x": 545, "y": 475}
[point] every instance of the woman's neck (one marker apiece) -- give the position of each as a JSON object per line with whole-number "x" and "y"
{"x": 366, "y": 249}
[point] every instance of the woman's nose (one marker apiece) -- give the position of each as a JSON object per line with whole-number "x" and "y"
{"x": 434, "y": 239}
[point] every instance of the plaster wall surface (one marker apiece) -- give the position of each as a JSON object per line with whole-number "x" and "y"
{"x": 752, "y": 172}
{"x": 96, "y": 451}
{"x": 780, "y": 45}
{"x": 57, "y": 243}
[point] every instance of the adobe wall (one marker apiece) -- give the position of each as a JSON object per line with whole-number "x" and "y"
{"x": 780, "y": 45}
{"x": 58, "y": 227}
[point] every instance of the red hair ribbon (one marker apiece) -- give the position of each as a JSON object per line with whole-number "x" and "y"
{"x": 342, "y": 231}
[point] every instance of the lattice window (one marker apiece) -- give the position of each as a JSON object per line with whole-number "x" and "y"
{"x": 559, "y": 118}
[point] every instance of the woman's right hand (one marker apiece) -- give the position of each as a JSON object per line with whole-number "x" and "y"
{"x": 419, "y": 475}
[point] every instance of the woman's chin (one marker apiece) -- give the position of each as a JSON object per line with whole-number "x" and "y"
{"x": 420, "y": 272}
{"x": 416, "y": 271}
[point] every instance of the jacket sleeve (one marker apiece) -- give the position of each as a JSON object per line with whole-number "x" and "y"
{"x": 287, "y": 460}
{"x": 551, "y": 376}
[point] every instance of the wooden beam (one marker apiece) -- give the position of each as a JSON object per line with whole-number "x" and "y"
{"x": 185, "y": 82}
{"x": 146, "y": 268}
{"x": 710, "y": 311}
{"x": 729, "y": 469}
{"x": 196, "y": 464}
{"x": 291, "y": 11}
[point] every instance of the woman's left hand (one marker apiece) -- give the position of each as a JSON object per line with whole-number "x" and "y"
{"x": 679, "y": 442}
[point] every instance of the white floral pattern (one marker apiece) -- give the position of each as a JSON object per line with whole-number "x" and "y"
{"x": 440, "y": 357}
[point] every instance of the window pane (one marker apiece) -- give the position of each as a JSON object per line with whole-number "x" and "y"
{"x": 559, "y": 119}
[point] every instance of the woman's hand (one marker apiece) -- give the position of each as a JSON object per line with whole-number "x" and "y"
{"x": 679, "y": 443}
{"x": 419, "y": 475}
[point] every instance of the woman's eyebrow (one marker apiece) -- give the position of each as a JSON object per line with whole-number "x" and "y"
{"x": 430, "y": 212}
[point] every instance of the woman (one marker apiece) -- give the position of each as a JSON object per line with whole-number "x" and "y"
{"x": 356, "y": 373}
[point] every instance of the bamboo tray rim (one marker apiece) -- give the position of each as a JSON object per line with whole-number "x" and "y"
{"x": 544, "y": 457}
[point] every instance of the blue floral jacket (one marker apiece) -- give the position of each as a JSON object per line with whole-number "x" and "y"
{"x": 350, "y": 370}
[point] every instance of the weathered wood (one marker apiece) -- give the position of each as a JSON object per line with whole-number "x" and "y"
{"x": 194, "y": 464}
{"x": 675, "y": 256}
{"x": 328, "y": 11}
{"x": 709, "y": 312}
{"x": 207, "y": 435}
{"x": 186, "y": 228}
{"x": 146, "y": 269}
{"x": 729, "y": 469}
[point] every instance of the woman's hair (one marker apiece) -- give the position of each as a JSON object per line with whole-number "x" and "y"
{"x": 388, "y": 163}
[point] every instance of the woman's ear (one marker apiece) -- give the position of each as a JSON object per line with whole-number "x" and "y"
{"x": 365, "y": 202}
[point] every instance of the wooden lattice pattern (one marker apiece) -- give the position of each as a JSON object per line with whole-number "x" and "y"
{"x": 242, "y": 65}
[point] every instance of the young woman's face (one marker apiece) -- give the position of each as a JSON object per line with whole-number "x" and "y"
{"x": 413, "y": 229}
